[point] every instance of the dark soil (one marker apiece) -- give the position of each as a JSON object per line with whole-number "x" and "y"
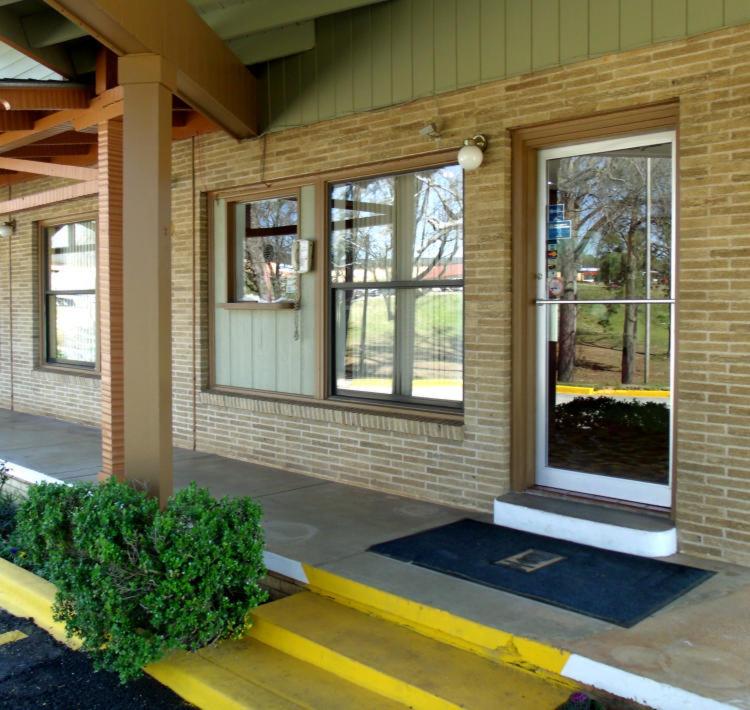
{"x": 38, "y": 672}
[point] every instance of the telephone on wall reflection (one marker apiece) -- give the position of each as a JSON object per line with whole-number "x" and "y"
{"x": 302, "y": 250}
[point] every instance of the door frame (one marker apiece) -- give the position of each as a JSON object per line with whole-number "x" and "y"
{"x": 526, "y": 141}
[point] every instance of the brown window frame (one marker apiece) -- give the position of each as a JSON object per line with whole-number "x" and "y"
{"x": 376, "y": 399}
{"x": 286, "y": 186}
{"x": 525, "y": 142}
{"x": 44, "y": 362}
{"x": 231, "y": 300}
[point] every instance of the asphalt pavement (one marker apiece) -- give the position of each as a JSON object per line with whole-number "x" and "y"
{"x": 38, "y": 672}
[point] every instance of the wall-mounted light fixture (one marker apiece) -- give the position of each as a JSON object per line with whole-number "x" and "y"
{"x": 7, "y": 229}
{"x": 471, "y": 154}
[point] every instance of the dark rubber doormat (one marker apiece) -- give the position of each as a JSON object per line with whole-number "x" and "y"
{"x": 619, "y": 588}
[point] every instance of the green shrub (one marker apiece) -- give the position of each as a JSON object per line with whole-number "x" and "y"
{"x": 608, "y": 413}
{"x": 8, "y": 510}
{"x": 134, "y": 581}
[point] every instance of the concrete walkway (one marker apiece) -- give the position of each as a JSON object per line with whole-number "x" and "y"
{"x": 698, "y": 643}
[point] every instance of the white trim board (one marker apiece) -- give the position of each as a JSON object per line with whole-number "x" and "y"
{"x": 644, "y": 543}
{"x": 636, "y": 687}
{"x": 28, "y": 475}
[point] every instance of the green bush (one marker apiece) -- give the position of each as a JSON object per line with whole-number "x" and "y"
{"x": 135, "y": 581}
{"x": 8, "y": 510}
{"x": 608, "y": 413}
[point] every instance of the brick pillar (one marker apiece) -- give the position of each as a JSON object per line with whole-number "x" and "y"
{"x": 110, "y": 298}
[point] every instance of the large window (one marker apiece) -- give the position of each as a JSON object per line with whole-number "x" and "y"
{"x": 265, "y": 231}
{"x": 396, "y": 277}
{"x": 69, "y": 304}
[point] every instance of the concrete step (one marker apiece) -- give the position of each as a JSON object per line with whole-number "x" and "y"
{"x": 246, "y": 674}
{"x": 439, "y": 624}
{"x": 396, "y": 662}
{"x": 600, "y": 525}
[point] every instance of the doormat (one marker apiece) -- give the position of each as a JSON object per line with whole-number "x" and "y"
{"x": 612, "y": 586}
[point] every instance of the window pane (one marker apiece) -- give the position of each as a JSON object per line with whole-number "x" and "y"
{"x": 434, "y": 363}
{"x": 72, "y": 328}
{"x": 71, "y": 257}
{"x": 604, "y": 232}
{"x": 437, "y": 249}
{"x": 362, "y": 230}
{"x": 364, "y": 340}
{"x": 609, "y": 396}
{"x": 269, "y": 228}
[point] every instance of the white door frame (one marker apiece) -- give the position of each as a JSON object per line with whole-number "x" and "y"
{"x": 575, "y": 481}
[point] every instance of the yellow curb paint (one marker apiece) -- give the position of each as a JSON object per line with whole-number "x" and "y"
{"x": 570, "y": 389}
{"x": 609, "y": 392}
{"x": 11, "y": 636}
{"x": 23, "y": 593}
{"x": 366, "y": 677}
{"x": 438, "y": 624}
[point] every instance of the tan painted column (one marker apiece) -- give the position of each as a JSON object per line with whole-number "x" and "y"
{"x": 147, "y": 83}
{"x": 110, "y": 298}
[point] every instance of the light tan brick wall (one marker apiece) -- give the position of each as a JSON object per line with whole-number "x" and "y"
{"x": 23, "y": 385}
{"x": 468, "y": 465}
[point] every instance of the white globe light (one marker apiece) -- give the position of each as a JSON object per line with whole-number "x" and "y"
{"x": 6, "y": 230}
{"x": 470, "y": 157}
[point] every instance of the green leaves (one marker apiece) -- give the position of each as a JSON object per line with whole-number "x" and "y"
{"x": 134, "y": 581}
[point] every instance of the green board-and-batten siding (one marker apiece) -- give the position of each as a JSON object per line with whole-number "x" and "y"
{"x": 400, "y": 50}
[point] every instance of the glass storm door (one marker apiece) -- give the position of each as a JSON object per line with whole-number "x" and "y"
{"x": 604, "y": 318}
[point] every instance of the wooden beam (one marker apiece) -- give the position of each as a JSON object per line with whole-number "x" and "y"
{"x": 48, "y": 197}
{"x": 106, "y": 70}
{"x": 42, "y": 150}
{"x": 18, "y": 120}
{"x": 205, "y": 72}
{"x": 12, "y": 33}
{"x": 69, "y": 138}
{"x": 43, "y": 97}
{"x": 258, "y": 15}
{"x": 63, "y": 121}
{"x": 280, "y": 42}
{"x": 195, "y": 125}
{"x": 37, "y": 167}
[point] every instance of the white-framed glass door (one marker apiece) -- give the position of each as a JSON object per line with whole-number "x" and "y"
{"x": 605, "y": 307}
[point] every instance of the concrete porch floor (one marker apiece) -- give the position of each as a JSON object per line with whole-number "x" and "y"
{"x": 698, "y": 643}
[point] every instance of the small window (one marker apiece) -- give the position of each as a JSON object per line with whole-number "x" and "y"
{"x": 265, "y": 231}
{"x": 70, "y": 317}
{"x": 396, "y": 276}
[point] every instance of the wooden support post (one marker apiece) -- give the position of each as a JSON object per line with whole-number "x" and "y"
{"x": 110, "y": 298}
{"x": 147, "y": 283}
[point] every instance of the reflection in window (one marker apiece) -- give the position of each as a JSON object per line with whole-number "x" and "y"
{"x": 615, "y": 243}
{"x": 266, "y": 231}
{"x": 70, "y": 294}
{"x": 396, "y": 257}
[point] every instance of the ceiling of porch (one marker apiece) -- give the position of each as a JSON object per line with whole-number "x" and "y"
{"x": 56, "y": 81}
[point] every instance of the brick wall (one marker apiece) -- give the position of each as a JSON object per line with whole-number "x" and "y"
{"x": 468, "y": 465}
{"x": 23, "y": 385}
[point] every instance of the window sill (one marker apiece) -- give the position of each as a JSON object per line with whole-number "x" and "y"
{"x": 406, "y": 420}
{"x": 63, "y": 370}
{"x": 255, "y": 306}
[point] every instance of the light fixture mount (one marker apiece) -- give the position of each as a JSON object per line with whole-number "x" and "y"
{"x": 479, "y": 140}
{"x": 7, "y": 229}
{"x": 471, "y": 154}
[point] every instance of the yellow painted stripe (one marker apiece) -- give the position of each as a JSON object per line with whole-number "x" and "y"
{"x": 24, "y": 594}
{"x": 610, "y": 392}
{"x": 11, "y": 636}
{"x": 199, "y": 681}
{"x": 438, "y": 624}
{"x": 355, "y": 672}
